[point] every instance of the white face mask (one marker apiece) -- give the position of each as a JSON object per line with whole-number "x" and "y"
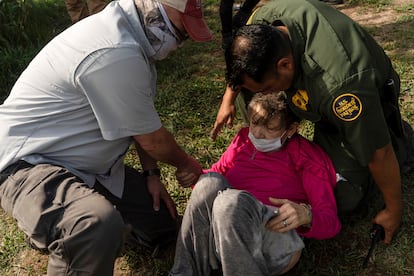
{"x": 168, "y": 38}
{"x": 167, "y": 43}
{"x": 160, "y": 31}
{"x": 266, "y": 145}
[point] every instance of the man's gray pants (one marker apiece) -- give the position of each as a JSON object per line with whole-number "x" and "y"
{"x": 225, "y": 228}
{"x": 82, "y": 229}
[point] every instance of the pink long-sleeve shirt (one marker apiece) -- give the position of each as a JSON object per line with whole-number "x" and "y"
{"x": 300, "y": 171}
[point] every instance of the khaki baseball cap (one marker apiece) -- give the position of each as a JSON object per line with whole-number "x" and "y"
{"x": 192, "y": 18}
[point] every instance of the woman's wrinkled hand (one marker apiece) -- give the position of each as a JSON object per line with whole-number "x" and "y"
{"x": 291, "y": 216}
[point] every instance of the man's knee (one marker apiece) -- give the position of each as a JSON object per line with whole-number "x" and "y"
{"x": 356, "y": 186}
{"x": 348, "y": 196}
{"x": 91, "y": 224}
{"x": 106, "y": 221}
{"x": 93, "y": 221}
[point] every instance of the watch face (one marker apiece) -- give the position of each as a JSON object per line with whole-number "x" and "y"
{"x": 152, "y": 172}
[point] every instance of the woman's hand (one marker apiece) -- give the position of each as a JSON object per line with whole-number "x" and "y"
{"x": 291, "y": 216}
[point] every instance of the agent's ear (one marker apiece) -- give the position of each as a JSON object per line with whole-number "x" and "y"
{"x": 285, "y": 64}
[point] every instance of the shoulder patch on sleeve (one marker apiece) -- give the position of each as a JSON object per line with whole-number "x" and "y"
{"x": 347, "y": 107}
{"x": 301, "y": 99}
{"x": 250, "y": 20}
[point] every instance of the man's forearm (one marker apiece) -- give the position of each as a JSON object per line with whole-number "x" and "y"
{"x": 229, "y": 96}
{"x": 147, "y": 162}
{"x": 386, "y": 173}
{"x": 161, "y": 146}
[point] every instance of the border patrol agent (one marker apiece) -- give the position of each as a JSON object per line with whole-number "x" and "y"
{"x": 338, "y": 77}
{"x": 68, "y": 123}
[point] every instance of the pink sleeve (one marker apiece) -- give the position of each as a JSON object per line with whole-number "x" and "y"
{"x": 226, "y": 160}
{"x": 319, "y": 180}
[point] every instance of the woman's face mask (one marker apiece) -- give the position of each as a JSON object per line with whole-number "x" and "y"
{"x": 266, "y": 145}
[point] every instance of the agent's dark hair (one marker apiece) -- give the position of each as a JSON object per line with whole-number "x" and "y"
{"x": 255, "y": 50}
{"x": 275, "y": 105}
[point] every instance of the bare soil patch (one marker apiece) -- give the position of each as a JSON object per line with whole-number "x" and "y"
{"x": 374, "y": 16}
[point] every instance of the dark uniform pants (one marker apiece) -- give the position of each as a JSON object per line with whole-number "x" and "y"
{"x": 359, "y": 185}
{"x": 357, "y": 181}
{"x": 82, "y": 230}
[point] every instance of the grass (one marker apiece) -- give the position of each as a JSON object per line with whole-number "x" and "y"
{"x": 25, "y": 26}
{"x": 190, "y": 86}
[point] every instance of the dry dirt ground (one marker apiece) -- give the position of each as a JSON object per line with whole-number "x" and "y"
{"x": 375, "y": 16}
{"x": 386, "y": 19}
{"x": 366, "y": 16}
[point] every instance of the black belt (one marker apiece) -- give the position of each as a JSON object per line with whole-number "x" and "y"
{"x": 11, "y": 169}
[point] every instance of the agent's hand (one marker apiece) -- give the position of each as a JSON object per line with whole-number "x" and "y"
{"x": 189, "y": 173}
{"x": 225, "y": 116}
{"x": 227, "y": 111}
{"x": 158, "y": 193}
{"x": 391, "y": 221}
{"x": 291, "y": 216}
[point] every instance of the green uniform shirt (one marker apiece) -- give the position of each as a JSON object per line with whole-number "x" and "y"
{"x": 340, "y": 73}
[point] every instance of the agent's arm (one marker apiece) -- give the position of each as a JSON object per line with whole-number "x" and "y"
{"x": 226, "y": 113}
{"x": 386, "y": 173}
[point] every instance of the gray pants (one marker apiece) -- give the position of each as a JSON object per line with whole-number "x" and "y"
{"x": 225, "y": 228}
{"x": 82, "y": 230}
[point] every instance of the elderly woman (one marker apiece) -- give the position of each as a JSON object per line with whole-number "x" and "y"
{"x": 247, "y": 214}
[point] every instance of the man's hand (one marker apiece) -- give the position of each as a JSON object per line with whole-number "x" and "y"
{"x": 390, "y": 221}
{"x": 225, "y": 116}
{"x": 186, "y": 179}
{"x": 158, "y": 193}
{"x": 226, "y": 113}
{"x": 385, "y": 170}
{"x": 189, "y": 173}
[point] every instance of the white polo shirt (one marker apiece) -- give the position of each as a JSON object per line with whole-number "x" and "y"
{"x": 83, "y": 97}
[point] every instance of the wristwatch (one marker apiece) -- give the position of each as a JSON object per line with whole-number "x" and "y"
{"x": 152, "y": 172}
